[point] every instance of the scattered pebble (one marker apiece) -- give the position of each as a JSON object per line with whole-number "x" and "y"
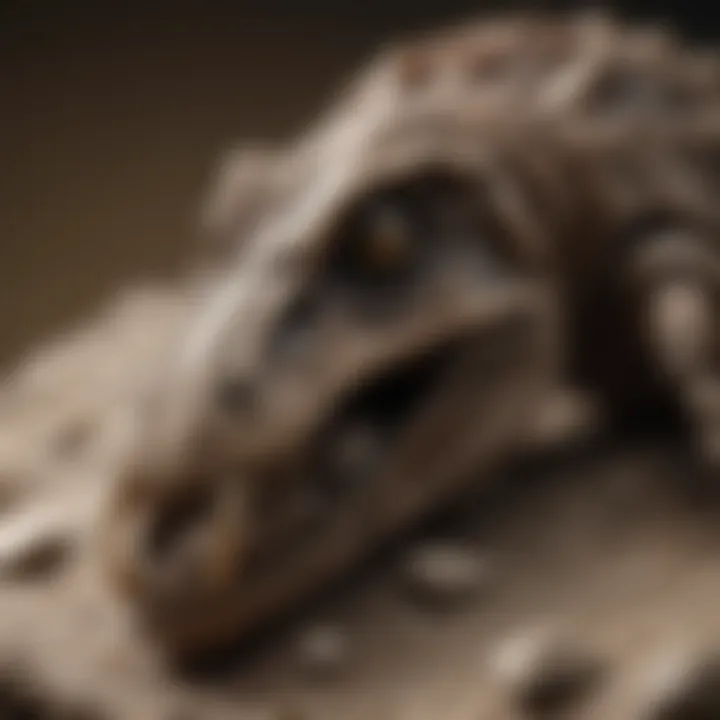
{"x": 690, "y": 692}
{"x": 322, "y": 650}
{"x": 31, "y": 546}
{"x": 444, "y": 574}
{"x": 546, "y": 674}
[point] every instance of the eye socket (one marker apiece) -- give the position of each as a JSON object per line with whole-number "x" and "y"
{"x": 383, "y": 244}
{"x": 390, "y": 238}
{"x": 387, "y": 245}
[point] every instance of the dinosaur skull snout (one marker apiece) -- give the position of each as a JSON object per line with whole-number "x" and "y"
{"x": 316, "y": 407}
{"x": 240, "y": 537}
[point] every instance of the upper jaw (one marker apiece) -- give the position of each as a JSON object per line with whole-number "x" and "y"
{"x": 421, "y": 446}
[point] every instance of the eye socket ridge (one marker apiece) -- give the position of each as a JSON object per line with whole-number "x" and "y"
{"x": 393, "y": 236}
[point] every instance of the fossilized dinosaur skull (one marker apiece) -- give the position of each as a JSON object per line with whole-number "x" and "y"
{"x": 387, "y": 312}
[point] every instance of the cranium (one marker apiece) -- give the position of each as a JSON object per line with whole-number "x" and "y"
{"x": 484, "y": 215}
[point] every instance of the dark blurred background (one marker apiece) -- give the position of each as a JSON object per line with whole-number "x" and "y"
{"x": 113, "y": 114}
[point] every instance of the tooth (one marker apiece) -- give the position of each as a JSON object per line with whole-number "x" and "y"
{"x": 680, "y": 325}
{"x": 446, "y": 574}
{"x": 322, "y": 650}
{"x": 564, "y": 417}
